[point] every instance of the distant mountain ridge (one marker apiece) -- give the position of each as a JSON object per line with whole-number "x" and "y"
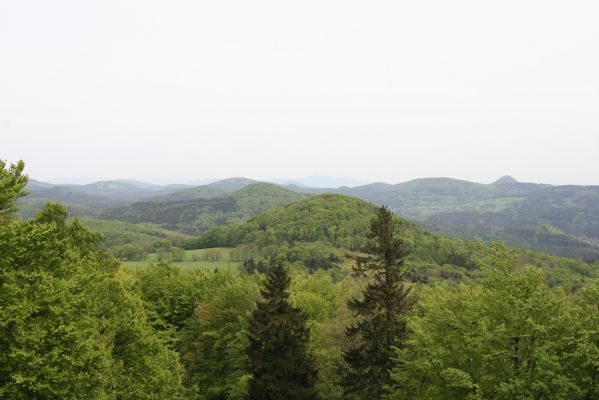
{"x": 562, "y": 220}
{"x": 196, "y": 215}
{"x": 319, "y": 181}
{"x": 90, "y": 199}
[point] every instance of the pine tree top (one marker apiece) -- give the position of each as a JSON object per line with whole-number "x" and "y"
{"x": 277, "y": 283}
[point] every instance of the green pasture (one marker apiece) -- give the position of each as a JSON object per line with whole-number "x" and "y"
{"x": 193, "y": 259}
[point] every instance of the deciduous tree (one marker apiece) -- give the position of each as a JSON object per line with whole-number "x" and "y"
{"x": 12, "y": 187}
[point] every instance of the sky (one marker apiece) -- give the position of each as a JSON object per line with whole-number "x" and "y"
{"x": 372, "y": 90}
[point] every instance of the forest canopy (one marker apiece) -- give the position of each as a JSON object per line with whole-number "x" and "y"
{"x": 490, "y": 323}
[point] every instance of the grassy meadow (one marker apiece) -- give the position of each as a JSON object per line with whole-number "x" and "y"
{"x": 193, "y": 259}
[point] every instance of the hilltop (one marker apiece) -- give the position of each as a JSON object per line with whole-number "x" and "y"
{"x": 340, "y": 221}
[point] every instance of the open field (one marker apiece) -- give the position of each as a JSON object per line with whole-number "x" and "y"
{"x": 193, "y": 259}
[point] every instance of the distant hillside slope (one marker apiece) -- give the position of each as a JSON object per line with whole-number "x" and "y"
{"x": 198, "y": 215}
{"x": 196, "y": 192}
{"x": 562, "y": 220}
{"x": 76, "y": 201}
{"x": 85, "y": 200}
{"x": 420, "y": 198}
{"x": 90, "y": 199}
{"x": 232, "y": 184}
{"x": 116, "y": 233}
{"x": 118, "y": 190}
{"x": 343, "y": 222}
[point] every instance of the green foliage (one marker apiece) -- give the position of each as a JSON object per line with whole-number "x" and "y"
{"x": 510, "y": 337}
{"x": 217, "y": 361}
{"x": 281, "y": 365}
{"x": 12, "y": 184}
{"x": 585, "y": 360}
{"x": 323, "y": 298}
{"x": 130, "y": 252}
{"x": 386, "y": 301}
{"x": 336, "y": 219}
{"x": 172, "y": 294}
{"x": 142, "y": 365}
{"x": 71, "y": 326}
{"x": 260, "y": 197}
{"x": 492, "y": 323}
{"x": 340, "y": 224}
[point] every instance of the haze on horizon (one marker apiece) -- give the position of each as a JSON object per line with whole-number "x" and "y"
{"x": 375, "y": 91}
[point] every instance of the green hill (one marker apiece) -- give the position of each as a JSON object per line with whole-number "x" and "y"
{"x": 518, "y": 213}
{"x": 562, "y": 220}
{"x": 232, "y": 184}
{"x": 115, "y": 233}
{"x": 197, "y": 192}
{"x": 76, "y": 201}
{"x": 198, "y": 215}
{"x": 90, "y": 199}
{"x": 342, "y": 222}
{"x": 410, "y": 197}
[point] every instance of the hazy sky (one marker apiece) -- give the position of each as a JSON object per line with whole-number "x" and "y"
{"x": 374, "y": 90}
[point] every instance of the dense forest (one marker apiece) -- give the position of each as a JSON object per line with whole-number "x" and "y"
{"x": 335, "y": 298}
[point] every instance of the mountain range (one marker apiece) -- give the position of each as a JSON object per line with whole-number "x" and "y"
{"x": 562, "y": 220}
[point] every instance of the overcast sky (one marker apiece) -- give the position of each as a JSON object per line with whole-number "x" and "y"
{"x": 374, "y": 90}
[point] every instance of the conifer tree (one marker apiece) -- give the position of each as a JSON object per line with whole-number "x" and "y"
{"x": 281, "y": 365}
{"x": 381, "y": 326}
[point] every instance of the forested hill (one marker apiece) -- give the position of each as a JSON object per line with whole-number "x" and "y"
{"x": 197, "y": 215}
{"x": 562, "y": 220}
{"x": 91, "y": 199}
{"x": 340, "y": 221}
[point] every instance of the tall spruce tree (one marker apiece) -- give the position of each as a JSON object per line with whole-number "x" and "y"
{"x": 281, "y": 365}
{"x": 381, "y": 324}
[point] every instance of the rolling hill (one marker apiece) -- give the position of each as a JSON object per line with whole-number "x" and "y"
{"x": 77, "y": 202}
{"x": 115, "y": 233}
{"x": 339, "y": 220}
{"x": 90, "y": 199}
{"x": 342, "y": 222}
{"x": 562, "y": 220}
{"x": 197, "y": 215}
